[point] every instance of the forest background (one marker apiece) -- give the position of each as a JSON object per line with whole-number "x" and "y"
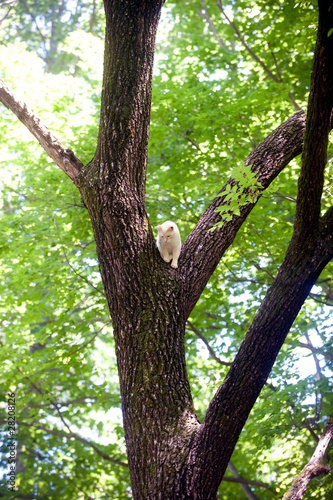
{"x": 223, "y": 80}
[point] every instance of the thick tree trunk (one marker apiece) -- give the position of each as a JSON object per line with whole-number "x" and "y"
{"x": 144, "y": 293}
{"x": 170, "y": 454}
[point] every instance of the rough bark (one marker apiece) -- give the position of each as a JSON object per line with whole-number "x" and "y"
{"x": 143, "y": 292}
{"x": 309, "y": 252}
{"x": 170, "y": 454}
{"x": 314, "y": 468}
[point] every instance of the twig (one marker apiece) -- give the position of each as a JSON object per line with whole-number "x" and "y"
{"x": 245, "y": 45}
{"x": 254, "y": 56}
{"x": 237, "y": 478}
{"x": 317, "y": 350}
{"x": 90, "y": 340}
{"x": 211, "y": 352}
{"x": 73, "y": 268}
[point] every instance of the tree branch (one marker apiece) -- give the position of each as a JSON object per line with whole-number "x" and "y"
{"x": 245, "y": 45}
{"x": 314, "y": 468}
{"x": 90, "y": 340}
{"x": 60, "y": 470}
{"x": 64, "y": 158}
{"x": 73, "y": 268}
{"x": 244, "y": 484}
{"x": 308, "y": 254}
{"x": 317, "y": 350}
{"x": 203, "y": 12}
{"x": 269, "y": 73}
{"x": 290, "y": 95}
{"x": 210, "y": 350}
{"x": 318, "y": 125}
{"x": 202, "y": 250}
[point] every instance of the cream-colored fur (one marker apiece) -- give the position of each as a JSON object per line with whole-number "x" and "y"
{"x": 168, "y": 242}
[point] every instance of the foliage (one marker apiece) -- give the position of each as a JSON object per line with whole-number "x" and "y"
{"x": 212, "y": 104}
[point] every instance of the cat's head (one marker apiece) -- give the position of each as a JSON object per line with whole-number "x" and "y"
{"x": 166, "y": 230}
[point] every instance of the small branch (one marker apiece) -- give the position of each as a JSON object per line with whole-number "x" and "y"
{"x": 73, "y": 268}
{"x": 69, "y": 435}
{"x": 93, "y": 17}
{"x": 43, "y": 37}
{"x": 256, "y": 58}
{"x": 241, "y": 480}
{"x": 319, "y": 375}
{"x": 293, "y": 102}
{"x": 191, "y": 141}
{"x": 64, "y": 158}
{"x": 11, "y": 5}
{"x": 275, "y": 62}
{"x": 245, "y": 45}
{"x": 243, "y": 483}
{"x": 317, "y": 350}
{"x": 315, "y": 296}
{"x": 203, "y": 12}
{"x": 83, "y": 277}
{"x": 314, "y": 468}
{"x": 252, "y": 227}
{"x": 290, "y": 95}
{"x": 211, "y": 352}
{"x": 53, "y": 403}
{"x": 90, "y": 340}
{"x": 327, "y": 221}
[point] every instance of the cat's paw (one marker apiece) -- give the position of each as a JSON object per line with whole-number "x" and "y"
{"x": 174, "y": 265}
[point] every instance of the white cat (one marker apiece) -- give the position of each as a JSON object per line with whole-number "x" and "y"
{"x": 168, "y": 242}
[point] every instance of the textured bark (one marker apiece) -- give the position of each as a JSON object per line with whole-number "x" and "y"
{"x": 314, "y": 468}
{"x": 203, "y": 250}
{"x": 143, "y": 292}
{"x": 170, "y": 454}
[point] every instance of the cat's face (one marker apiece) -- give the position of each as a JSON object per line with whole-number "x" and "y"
{"x": 165, "y": 233}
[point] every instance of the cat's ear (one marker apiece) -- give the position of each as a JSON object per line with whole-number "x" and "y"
{"x": 159, "y": 227}
{"x": 171, "y": 228}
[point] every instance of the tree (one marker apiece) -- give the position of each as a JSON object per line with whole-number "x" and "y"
{"x": 150, "y": 302}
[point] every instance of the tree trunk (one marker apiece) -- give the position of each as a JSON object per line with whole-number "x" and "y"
{"x": 171, "y": 455}
{"x": 143, "y": 292}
